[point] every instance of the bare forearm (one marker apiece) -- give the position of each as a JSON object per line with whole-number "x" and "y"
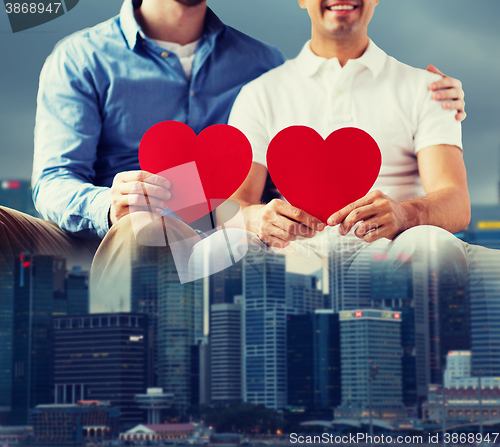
{"x": 448, "y": 208}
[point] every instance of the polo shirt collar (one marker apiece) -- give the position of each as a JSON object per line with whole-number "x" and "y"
{"x": 133, "y": 32}
{"x": 373, "y": 58}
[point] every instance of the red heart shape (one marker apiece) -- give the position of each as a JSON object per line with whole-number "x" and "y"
{"x": 222, "y": 156}
{"x": 322, "y": 176}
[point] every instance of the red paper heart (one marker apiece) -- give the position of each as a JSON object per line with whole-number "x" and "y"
{"x": 222, "y": 156}
{"x": 322, "y": 176}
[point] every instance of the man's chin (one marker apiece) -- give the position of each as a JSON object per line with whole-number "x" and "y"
{"x": 190, "y": 2}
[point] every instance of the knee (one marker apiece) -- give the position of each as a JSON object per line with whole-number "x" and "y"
{"x": 150, "y": 231}
{"x": 435, "y": 246}
{"x": 434, "y": 239}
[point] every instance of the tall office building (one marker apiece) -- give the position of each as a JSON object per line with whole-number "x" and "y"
{"x": 349, "y": 284}
{"x": 16, "y": 194}
{"x": 370, "y": 342}
{"x": 226, "y": 284}
{"x": 225, "y": 340}
{"x": 302, "y": 294}
{"x": 484, "y": 230}
{"x": 77, "y": 292}
{"x": 144, "y": 297}
{"x": 485, "y": 315}
{"x": 180, "y": 324}
{"x": 101, "y": 357}
{"x": 313, "y": 363}
{"x": 36, "y": 293}
{"x": 264, "y": 354}
{"x": 6, "y": 343}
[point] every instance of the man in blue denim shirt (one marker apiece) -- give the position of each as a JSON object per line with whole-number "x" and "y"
{"x": 100, "y": 91}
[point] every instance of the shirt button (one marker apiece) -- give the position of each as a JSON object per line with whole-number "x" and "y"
{"x": 164, "y": 54}
{"x": 339, "y": 91}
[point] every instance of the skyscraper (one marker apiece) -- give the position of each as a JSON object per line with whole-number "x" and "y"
{"x": 180, "y": 323}
{"x": 349, "y": 283}
{"x": 485, "y": 315}
{"x": 6, "y": 343}
{"x": 303, "y": 295}
{"x": 264, "y": 354}
{"x": 484, "y": 274}
{"x": 144, "y": 296}
{"x": 101, "y": 357}
{"x": 226, "y": 284}
{"x": 225, "y": 340}
{"x": 370, "y": 343}
{"x": 34, "y": 298}
{"x": 313, "y": 363}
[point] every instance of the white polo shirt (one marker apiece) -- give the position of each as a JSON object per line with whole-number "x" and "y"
{"x": 389, "y": 100}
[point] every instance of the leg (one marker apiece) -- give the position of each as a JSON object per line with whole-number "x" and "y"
{"x": 130, "y": 239}
{"x": 20, "y": 233}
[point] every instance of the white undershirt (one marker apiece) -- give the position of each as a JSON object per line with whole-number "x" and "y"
{"x": 185, "y": 53}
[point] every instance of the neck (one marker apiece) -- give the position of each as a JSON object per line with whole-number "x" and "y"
{"x": 342, "y": 49}
{"x": 171, "y": 21}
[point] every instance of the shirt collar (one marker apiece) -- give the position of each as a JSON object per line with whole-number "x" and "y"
{"x": 373, "y": 58}
{"x": 133, "y": 32}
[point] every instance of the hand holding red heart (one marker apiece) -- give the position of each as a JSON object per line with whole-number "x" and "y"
{"x": 278, "y": 223}
{"x": 380, "y": 217}
{"x": 137, "y": 191}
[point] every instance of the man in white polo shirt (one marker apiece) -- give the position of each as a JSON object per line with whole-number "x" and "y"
{"x": 342, "y": 79}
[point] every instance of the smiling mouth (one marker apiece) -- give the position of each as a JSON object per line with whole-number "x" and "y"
{"x": 341, "y": 7}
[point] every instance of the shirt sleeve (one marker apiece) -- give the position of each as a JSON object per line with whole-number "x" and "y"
{"x": 249, "y": 115}
{"x": 67, "y": 132}
{"x": 436, "y": 125}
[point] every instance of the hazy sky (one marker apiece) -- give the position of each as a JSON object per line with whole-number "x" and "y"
{"x": 456, "y": 35}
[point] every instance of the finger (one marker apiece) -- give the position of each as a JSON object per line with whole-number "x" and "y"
{"x": 275, "y": 242}
{"x": 292, "y": 227}
{"x": 143, "y": 176}
{"x": 460, "y": 116}
{"x": 300, "y": 216}
{"x": 457, "y": 104}
{"x": 145, "y": 189}
{"x": 276, "y": 231}
{"x": 341, "y": 215}
{"x": 450, "y": 93}
{"x": 142, "y": 200}
{"x": 434, "y": 69}
{"x": 384, "y": 231}
{"x": 356, "y": 216}
{"x": 365, "y": 227}
{"x": 445, "y": 83}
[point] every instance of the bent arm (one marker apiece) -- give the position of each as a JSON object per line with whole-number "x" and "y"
{"x": 67, "y": 132}
{"x": 447, "y": 202}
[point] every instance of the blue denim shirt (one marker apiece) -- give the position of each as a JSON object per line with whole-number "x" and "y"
{"x": 102, "y": 88}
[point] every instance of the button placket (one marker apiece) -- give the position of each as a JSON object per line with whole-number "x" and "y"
{"x": 342, "y": 98}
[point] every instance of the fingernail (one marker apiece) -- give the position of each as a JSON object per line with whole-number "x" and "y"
{"x": 446, "y": 105}
{"x": 166, "y": 184}
{"x": 167, "y": 195}
{"x": 434, "y": 86}
{"x": 437, "y": 96}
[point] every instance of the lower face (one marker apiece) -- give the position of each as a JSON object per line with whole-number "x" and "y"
{"x": 190, "y": 2}
{"x": 343, "y": 18}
